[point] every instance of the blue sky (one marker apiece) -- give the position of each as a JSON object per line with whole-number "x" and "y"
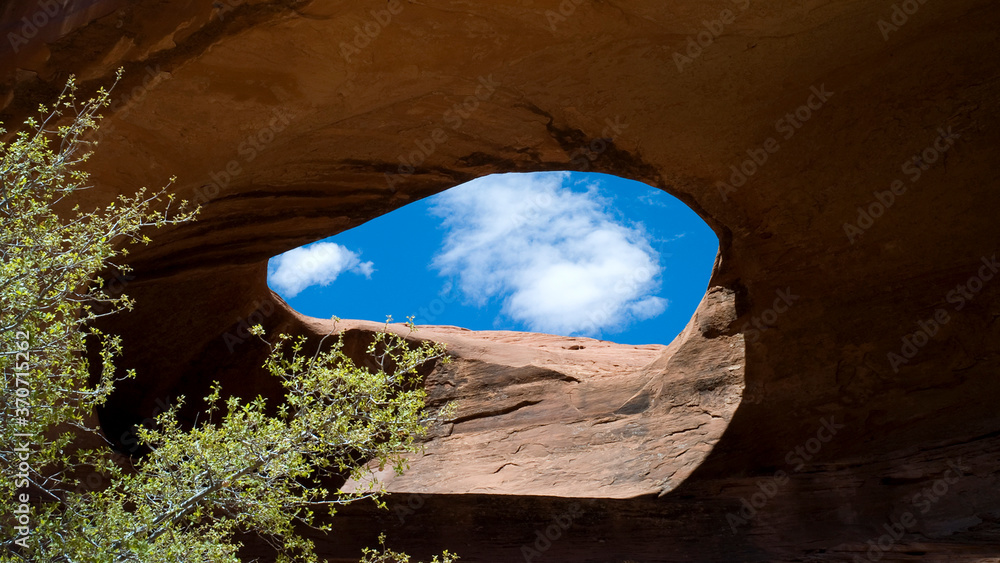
{"x": 563, "y": 253}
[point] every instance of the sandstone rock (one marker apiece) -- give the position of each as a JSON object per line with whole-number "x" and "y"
{"x": 287, "y": 137}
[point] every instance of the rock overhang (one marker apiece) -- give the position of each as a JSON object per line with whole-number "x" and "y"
{"x": 783, "y": 230}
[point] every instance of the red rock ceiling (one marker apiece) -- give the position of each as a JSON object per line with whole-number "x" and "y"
{"x": 287, "y": 136}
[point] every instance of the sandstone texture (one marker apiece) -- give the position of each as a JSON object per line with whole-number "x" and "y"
{"x": 840, "y": 378}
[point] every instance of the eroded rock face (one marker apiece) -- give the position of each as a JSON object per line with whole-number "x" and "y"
{"x": 843, "y": 152}
{"x": 573, "y": 417}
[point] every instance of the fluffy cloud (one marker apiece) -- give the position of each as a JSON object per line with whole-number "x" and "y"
{"x": 316, "y": 264}
{"x": 556, "y": 257}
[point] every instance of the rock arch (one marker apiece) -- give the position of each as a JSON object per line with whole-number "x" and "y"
{"x": 230, "y": 80}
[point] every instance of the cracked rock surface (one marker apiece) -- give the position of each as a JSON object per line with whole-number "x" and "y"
{"x": 846, "y": 232}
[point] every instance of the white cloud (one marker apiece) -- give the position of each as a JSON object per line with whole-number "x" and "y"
{"x": 653, "y": 197}
{"x": 557, "y": 258}
{"x": 316, "y": 264}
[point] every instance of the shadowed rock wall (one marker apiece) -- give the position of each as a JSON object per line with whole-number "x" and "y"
{"x": 843, "y": 152}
